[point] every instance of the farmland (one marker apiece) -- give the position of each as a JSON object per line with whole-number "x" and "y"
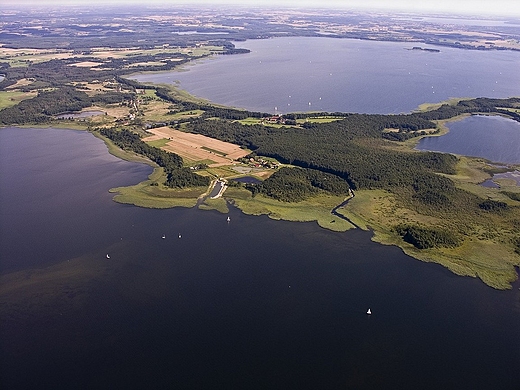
{"x": 196, "y": 147}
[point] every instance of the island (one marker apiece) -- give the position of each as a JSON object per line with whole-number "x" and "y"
{"x": 342, "y": 170}
{"x": 425, "y": 49}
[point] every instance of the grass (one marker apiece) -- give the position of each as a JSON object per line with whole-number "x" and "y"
{"x": 485, "y": 253}
{"x": 147, "y": 194}
{"x": 224, "y": 171}
{"x": 320, "y": 119}
{"x": 123, "y": 154}
{"x": 188, "y": 162}
{"x": 155, "y": 110}
{"x": 21, "y": 58}
{"x": 314, "y": 209}
{"x": 218, "y": 204}
{"x": 11, "y": 98}
{"x": 158, "y": 143}
{"x": 517, "y": 110}
{"x": 187, "y": 114}
{"x": 218, "y": 152}
{"x": 434, "y": 106}
{"x": 257, "y": 121}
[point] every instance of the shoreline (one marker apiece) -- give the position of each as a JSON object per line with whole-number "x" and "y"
{"x": 361, "y": 211}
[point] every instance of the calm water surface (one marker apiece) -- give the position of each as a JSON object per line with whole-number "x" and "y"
{"x": 250, "y": 304}
{"x": 326, "y": 74}
{"x": 84, "y": 114}
{"x": 492, "y": 137}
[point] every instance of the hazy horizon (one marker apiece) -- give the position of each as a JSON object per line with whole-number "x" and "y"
{"x": 460, "y": 7}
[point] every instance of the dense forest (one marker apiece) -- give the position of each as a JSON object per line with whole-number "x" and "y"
{"x": 423, "y": 238}
{"x": 297, "y": 184}
{"x": 354, "y": 148}
{"x": 48, "y": 104}
{"x": 351, "y": 149}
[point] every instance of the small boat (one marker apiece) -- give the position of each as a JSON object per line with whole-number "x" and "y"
{"x": 108, "y": 257}
{"x": 163, "y": 236}
{"x": 369, "y": 311}
{"x": 228, "y": 219}
{"x": 179, "y": 235}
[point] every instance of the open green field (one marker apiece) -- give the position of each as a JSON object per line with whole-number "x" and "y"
{"x": 11, "y": 98}
{"x": 158, "y": 143}
{"x": 257, "y": 121}
{"x": 320, "y": 119}
{"x": 187, "y": 114}
{"x": 223, "y": 171}
{"x": 517, "y": 110}
{"x": 219, "y": 204}
{"x": 434, "y": 106}
{"x": 19, "y": 58}
{"x": 314, "y": 209}
{"x": 152, "y": 193}
{"x": 22, "y": 57}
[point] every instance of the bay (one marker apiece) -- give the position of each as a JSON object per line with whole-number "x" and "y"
{"x": 492, "y": 137}
{"x": 253, "y": 303}
{"x": 295, "y": 74}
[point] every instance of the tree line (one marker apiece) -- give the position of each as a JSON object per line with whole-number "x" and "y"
{"x": 48, "y": 104}
{"x": 178, "y": 176}
{"x": 297, "y": 184}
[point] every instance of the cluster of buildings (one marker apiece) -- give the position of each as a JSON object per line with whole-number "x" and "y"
{"x": 259, "y": 162}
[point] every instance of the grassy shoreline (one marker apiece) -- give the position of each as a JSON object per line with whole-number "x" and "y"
{"x": 376, "y": 210}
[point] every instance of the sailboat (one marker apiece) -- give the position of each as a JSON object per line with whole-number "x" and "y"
{"x": 163, "y": 236}
{"x": 179, "y": 235}
{"x": 108, "y": 257}
{"x": 228, "y": 219}
{"x": 369, "y": 311}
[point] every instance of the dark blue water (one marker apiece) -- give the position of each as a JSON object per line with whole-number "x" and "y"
{"x": 490, "y": 184}
{"x": 326, "y": 74}
{"x": 247, "y": 179}
{"x": 492, "y": 137}
{"x": 47, "y": 195}
{"x": 250, "y": 304}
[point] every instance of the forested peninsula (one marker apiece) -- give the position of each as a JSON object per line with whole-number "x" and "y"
{"x": 343, "y": 170}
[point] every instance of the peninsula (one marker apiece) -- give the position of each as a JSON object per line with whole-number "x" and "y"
{"x": 343, "y": 170}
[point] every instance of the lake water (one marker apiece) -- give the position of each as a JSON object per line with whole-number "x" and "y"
{"x": 83, "y": 114}
{"x": 492, "y": 137}
{"x": 250, "y": 304}
{"x": 327, "y": 74}
{"x": 514, "y": 175}
{"x": 247, "y": 179}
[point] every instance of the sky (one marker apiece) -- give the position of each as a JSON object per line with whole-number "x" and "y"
{"x": 482, "y": 7}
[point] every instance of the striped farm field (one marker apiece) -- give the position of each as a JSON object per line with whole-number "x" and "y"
{"x": 196, "y": 147}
